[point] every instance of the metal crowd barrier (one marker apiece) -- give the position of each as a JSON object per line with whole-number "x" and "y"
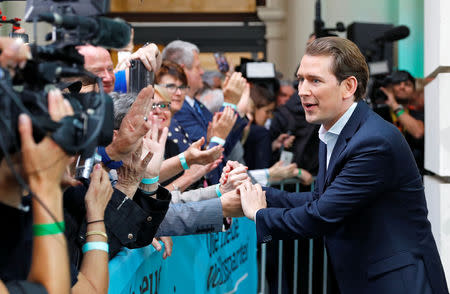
{"x": 311, "y": 265}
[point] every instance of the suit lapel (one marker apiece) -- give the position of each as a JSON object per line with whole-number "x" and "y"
{"x": 347, "y": 132}
{"x": 194, "y": 112}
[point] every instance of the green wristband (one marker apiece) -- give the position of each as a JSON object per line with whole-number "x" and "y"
{"x": 400, "y": 112}
{"x": 48, "y": 229}
{"x": 299, "y": 172}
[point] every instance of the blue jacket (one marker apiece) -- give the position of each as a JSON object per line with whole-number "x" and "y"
{"x": 369, "y": 206}
{"x": 196, "y": 127}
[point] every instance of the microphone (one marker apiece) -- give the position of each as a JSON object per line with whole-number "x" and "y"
{"x": 394, "y": 34}
{"x": 100, "y": 31}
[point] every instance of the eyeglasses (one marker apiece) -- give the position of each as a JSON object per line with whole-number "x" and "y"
{"x": 161, "y": 105}
{"x": 172, "y": 88}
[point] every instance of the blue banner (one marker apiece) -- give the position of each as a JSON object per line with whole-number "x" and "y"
{"x": 209, "y": 263}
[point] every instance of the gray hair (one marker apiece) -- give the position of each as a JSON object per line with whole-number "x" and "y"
{"x": 208, "y": 77}
{"x": 122, "y": 104}
{"x": 212, "y": 99}
{"x": 180, "y": 52}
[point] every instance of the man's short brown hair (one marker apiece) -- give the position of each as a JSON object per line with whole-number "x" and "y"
{"x": 347, "y": 60}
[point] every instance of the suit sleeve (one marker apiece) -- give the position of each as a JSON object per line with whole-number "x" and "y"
{"x": 278, "y": 198}
{"x": 363, "y": 177}
{"x": 194, "y": 195}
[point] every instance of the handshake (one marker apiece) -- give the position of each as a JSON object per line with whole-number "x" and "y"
{"x": 240, "y": 197}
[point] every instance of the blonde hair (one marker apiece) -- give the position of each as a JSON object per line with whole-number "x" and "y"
{"x": 163, "y": 93}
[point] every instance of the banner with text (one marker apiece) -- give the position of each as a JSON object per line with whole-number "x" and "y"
{"x": 208, "y": 263}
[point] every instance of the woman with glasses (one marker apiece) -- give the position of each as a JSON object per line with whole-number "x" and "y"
{"x": 173, "y": 79}
{"x": 163, "y": 109}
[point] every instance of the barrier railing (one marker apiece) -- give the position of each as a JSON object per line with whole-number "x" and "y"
{"x": 312, "y": 264}
{"x": 209, "y": 263}
{"x": 215, "y": 263}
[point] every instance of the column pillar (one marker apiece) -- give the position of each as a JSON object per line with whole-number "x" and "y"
{"x": 274, "y": 15}
{"x": 437, "y": 123}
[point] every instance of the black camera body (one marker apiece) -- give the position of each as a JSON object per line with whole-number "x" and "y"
{"x": 140, "y": 77}
{"x": 92, "y": 122}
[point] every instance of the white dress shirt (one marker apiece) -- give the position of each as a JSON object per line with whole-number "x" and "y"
{"x": 330, "y": 137}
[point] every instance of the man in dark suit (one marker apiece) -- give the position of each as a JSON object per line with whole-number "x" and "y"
{"x": 369, "y": 203}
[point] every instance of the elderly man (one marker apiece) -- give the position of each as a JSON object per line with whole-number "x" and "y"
{"x": 369, "y": 203}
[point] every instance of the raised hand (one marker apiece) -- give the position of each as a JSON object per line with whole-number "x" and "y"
{"x": 133, "y": 128}
{"x": 149, "y": 55}
{"x": 233, "y": 88}
{"x": 155, "y": 146}
{"x": 194, "y": 154}
{"x": 223, "y": 122}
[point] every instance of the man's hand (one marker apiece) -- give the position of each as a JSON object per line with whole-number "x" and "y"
{"x": 233, "y": 88}
{"x": 194, "y": 154}
{"x": 149, "y": 55}
{"x": 223, "y": 122}
{"x": 253, "y": 198}
{"x": 98, "y": 194}
{"x": 133, "y": 128}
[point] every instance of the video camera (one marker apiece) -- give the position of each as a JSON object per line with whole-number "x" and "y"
{"x": 75, "y": 23}
{"x": 376, "y": 43}
{"x": 261, "y": 73}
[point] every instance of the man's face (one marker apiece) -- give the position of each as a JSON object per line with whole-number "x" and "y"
{"x": 284, "y": 94}
{"x": 321, "y": 94}
{"x": 194, "y": 75}
{"x": 98, "y": 61}
{"x": 403, "y": 90}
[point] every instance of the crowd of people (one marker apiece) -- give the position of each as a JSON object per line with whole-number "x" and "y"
{"x": 187, "y": 157}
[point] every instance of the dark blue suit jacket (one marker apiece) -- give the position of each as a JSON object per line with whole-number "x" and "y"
{"x": 369, "y": 205}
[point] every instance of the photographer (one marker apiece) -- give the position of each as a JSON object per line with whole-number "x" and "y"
{"x": 404, "y": 113}
{"x": 47, "y": 265}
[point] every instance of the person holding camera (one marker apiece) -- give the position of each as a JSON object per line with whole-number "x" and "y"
{"x": 405, "y": 114}
{"x": 34, "y": 259}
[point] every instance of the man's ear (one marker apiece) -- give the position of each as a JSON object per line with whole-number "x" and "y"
{"x": 348, "y": 87}
{"x": 115, "y": 132}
